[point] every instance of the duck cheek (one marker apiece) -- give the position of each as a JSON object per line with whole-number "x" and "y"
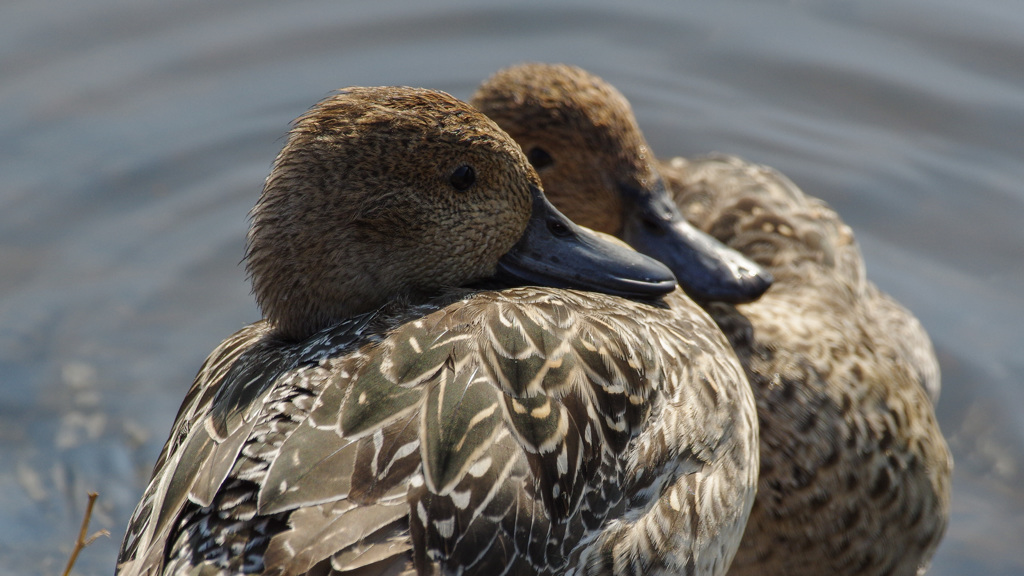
{"x": 506, "y": 225}
{"x": 464, "y": 262}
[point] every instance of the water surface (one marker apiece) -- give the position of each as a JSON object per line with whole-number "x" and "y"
{"x": 134, "y": 138}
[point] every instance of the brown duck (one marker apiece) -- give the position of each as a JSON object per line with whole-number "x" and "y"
{"x": 855, "y": 474}
{"x": 416, "y": 402}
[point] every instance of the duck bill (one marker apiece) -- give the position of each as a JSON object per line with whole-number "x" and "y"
{"x": 705, "y": 268}
{"x": 555, "y": 252}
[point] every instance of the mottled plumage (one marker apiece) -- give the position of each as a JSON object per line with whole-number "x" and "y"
{"x": 450, "y": 430}
{"x": 855, "y": 474}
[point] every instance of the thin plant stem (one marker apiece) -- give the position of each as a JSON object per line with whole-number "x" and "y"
{"x": 84, "y": 541}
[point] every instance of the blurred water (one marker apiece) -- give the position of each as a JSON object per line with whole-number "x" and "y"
{"x": 134, "y": 138}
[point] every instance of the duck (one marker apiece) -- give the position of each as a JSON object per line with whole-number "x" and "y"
{"x": 449, "y": 377}
{"x": 855, "y": 475}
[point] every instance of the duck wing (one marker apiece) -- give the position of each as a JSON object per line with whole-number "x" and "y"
{"x": 855, "y": 473}
{"x": 504, "y": 432}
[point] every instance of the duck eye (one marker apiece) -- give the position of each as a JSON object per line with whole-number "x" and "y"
{"x": 462, "y": 178}
{"x": 539, "y": 158}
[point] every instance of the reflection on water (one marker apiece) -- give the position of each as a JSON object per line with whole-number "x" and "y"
{"x": 136, "y": 137}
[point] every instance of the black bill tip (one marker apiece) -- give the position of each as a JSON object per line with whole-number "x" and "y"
{"x": 705, "y": 268}
{"x": 555, "y": 252}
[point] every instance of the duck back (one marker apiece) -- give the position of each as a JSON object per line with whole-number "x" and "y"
{"x": 527, "y": 431}
{"x": 844, "y": 378}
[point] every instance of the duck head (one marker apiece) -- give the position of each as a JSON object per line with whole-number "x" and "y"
{"x": 385, "y": 193}
{"x": 580, "y": 134}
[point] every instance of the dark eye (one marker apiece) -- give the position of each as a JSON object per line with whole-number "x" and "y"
{"x": 539, "y": 158}
{"x": 462, "y": 178}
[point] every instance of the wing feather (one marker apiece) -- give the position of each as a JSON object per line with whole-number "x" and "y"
{"x": 503, "y": 433}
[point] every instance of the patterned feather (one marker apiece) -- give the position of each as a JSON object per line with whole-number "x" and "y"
{"x": 855, "y": 474}
{"x": 529, "y": 431}
{"x": 844, "y": 377}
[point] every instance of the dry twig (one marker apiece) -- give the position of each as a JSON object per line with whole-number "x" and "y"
{"x": 84, "y": 541}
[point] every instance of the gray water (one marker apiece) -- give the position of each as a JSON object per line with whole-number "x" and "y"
{"x": 135, "y": 136}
